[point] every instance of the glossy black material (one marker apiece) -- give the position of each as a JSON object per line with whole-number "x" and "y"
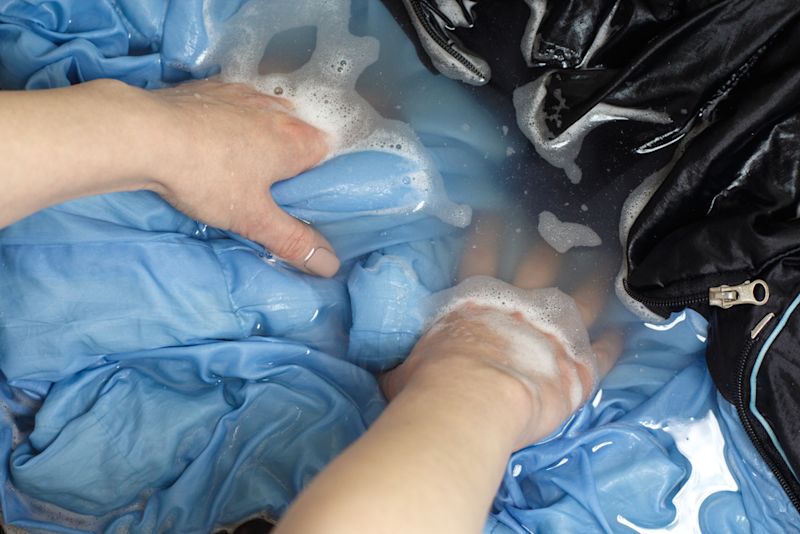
{"x": 727, "y": 74}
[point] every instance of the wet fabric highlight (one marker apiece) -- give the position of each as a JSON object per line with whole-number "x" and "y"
{"x": 163, "y": 375}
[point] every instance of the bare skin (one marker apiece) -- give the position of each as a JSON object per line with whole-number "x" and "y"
{"x": 211, "y": 149}
{"x": 434, "y": 459}
{"x": 459, "y": 406}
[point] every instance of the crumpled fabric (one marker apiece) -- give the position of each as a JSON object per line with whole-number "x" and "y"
{"x": 616, "y": 467}
{"x": 161, "y": 375}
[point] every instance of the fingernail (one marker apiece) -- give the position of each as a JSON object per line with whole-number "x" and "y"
{"x": 322, "y": 262}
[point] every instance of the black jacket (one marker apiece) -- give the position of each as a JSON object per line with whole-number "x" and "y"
{"x": 721, "y": 231}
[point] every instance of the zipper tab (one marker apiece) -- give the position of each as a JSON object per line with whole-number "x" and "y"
{"x": 728, "y": 296}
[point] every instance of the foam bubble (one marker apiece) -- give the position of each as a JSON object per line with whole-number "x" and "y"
{"x": 550, "y": 310}
{"x": 323, "y": 89}
{"x": 562, "y": 150}
{"x": 633, "y": 206}
{"x": 563, "y": 236}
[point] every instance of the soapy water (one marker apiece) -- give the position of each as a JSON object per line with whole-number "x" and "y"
{"x": 549, "y": 310}
{"x": 562, "y": 150}
{"x": 563, "y": 236}
{"x": 323, "y": 90}
{"x": 322, "y": 86}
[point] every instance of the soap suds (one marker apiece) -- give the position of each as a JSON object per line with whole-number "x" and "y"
{"x": 452, "y": 10}
{"x": 531, "y": 38}
{"x": 631, "y": 209}
{"x": 563, "y": 236}
{"x": 550, "y": 310}
{"x": 538, "y": 8}
{"x": 562, "y": 150}
{"x": 323, "y": 89}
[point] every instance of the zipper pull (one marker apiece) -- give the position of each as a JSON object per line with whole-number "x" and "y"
{"x": 728, "y": 296}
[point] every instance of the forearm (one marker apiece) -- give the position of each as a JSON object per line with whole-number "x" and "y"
{"x": 431, "y": 463}
{"x": 65, "y": 143}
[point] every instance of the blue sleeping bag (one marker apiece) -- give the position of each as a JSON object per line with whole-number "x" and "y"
{"x": 161, "y": 375}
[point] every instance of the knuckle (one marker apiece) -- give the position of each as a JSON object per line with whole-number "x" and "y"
{"x": 295, "y": 244}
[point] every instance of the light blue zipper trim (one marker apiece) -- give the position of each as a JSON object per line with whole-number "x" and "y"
{"x": 754, "y": 377}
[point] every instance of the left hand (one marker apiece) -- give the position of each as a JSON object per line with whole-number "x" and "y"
{"x": 227, "y": 145}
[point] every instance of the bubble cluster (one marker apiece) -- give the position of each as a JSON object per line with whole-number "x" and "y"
{"x": 562, "y": 149}
{"x": 633, "y": 206}
{"x": 550, "y": 310}
{"x": 563, "y": 236}
{"x": 323, "y": 89}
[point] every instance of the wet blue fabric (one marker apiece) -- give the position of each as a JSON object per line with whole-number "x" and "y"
{"x": 160, "y": 375}
{"x": 616, "y": 463}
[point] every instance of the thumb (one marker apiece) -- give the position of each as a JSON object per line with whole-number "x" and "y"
{"x": 295, "y": 242}
{"x": 607, "y": 349}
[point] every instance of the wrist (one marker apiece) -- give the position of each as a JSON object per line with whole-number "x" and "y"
{"x": 495, "y": 393}
{"x": 141, "y": 134}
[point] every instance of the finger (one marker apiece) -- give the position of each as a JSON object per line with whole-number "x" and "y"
{"x": 575, "y": 384}
{"x": 607, "y": 349}
{"x": 481, "y": 257}
{"x": 592, "y": 294}
{"x": 295, "y": 242}
{"x": 538, "y": 268}
{"x": 392, "y": 382}
{"x": 303, "y": 146}
{"x": 590, "y": 300}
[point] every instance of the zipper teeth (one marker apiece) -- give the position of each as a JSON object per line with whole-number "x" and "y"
{"x": 748, "y": 427}
{"x": 694, "y": 298}
{"x": 458, "y": 56}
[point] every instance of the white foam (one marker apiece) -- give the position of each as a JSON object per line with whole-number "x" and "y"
{"x": 633, "y": 206}
{"x": 538, "y": 8}
{"x": 636, "y": 202}
{"x": 531, "y": 35}
{"x": 323, "y": 89}
{"x": 452, "y": 10}
{"x": 562, "y": 150}
{"x": 563, "y": 236}
{"x": 551, "y": 311}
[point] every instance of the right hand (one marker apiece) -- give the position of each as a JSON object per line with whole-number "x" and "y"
{"x": 468, "y": 340}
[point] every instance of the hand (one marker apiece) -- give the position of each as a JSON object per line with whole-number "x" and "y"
{"x": 475, "y": 340}
{"x": 227, "y": 144}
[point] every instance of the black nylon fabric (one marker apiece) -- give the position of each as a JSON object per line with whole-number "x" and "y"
{"x": 669, "y": 56}
{"x": 727, "y": 74}
{"x": 781, "y": 378}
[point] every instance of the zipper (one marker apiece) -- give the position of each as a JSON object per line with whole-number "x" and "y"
{"x": 723, "y": 296}
{"x": 741, "y": 409}
{"x": 440, "y": 38}
{"x": 667, "y": 303}
{"x": 728, "y": 296}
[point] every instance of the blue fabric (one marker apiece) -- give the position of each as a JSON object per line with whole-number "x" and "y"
{"x": 160, "y": 375}
{"x": 615, "y": 458}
